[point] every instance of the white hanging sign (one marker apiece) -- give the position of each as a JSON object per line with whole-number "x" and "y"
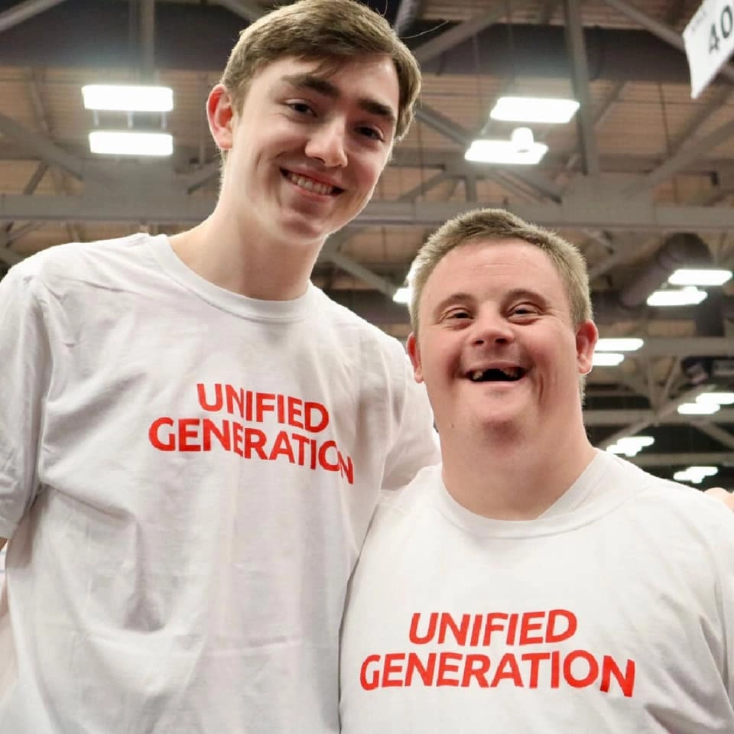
{"x": 709, "y": 41}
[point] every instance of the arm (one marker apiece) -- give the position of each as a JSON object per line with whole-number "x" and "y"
{"x": 25, "y": 349}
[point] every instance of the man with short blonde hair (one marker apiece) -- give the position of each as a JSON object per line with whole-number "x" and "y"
{"x": 531, "y": 583}
{"x": 500, "y": 225}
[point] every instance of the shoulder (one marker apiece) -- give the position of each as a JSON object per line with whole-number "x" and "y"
{"x": 681, "y": 512}
{"x": 352, "y": 324}
{"x": 409, "y": 500}
{"x": 59, "y": 265}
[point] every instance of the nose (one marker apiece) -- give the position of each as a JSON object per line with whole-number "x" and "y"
{"x": 492, "y": 329}
{"x": 327, "y": 144}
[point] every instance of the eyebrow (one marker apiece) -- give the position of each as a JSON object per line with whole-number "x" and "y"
{"x": 328, "y": 89}
{"x": 468, "y": 299}
{"x": 516, "y": 293}
{"x": 454, "y": 298}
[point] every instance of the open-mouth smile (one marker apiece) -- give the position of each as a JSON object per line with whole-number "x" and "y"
{"x": 310, "y": 184}
{"x": 497, "y": 374}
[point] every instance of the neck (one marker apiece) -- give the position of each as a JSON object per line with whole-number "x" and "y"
{"x": 507, "y": 477}
{"x": 233, "y": 255}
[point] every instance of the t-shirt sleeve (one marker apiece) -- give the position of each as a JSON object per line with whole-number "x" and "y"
{"x": 24, "y": 356}
{"x": 416, "y": 441}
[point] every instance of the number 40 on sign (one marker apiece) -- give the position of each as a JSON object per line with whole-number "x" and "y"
{"x": 709, "y": 41}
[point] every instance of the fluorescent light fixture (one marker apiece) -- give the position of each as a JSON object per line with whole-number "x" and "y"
{"x": 522, "y": 138}
{"x": 607, "y": 359}
{"x": 110, "y": 142}
{"x": 698, "y": 408}
{"x": 716, "y": 398}
{"x": 695, "y": 474}
{"x": 505, "y": 152}
{"x": 534, "y": 109}
{"x": 708, "y": 276}
{"x": 127, "y": 98}
{"x": 688, "y": 296}
{"x": 630, "y": 445}
{"x": 402, "y": 295}
{"x": 618, "y": 345}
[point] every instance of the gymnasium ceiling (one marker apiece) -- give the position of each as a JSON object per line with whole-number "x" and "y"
{"x": 638, "y": 179}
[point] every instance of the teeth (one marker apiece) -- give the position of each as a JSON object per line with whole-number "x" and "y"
{"x": 310, "y": 185}
{"x": 477, "y": 375}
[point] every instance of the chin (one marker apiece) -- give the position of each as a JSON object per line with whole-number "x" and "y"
{"x": 302, "y": 229}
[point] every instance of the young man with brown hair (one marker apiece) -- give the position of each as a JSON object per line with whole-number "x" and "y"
{"x": 192, "y": 435}
{"x": 531, "y": 582}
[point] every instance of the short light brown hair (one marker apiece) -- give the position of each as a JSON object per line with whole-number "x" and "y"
{"x": 326, "y": 31}
{"x": 489, "y": 225}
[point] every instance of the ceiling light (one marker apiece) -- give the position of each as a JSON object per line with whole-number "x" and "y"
{"x": 708, "y": 276}
{"x": 688, "y": 296}
{"x": 109, "y": 142}
{"x": 618, "y": 345}
{"x": 695, "y": 474}
{"x": 534, "y": 109}
{"x": 127, "y": 98}
{"x": 505, "y": 152}
{"x": 401, "y": 295}
{"x": 716, "y": 398}
{"x": 522, "y": 138}
{"x": 698, "y": 408}
{"x": 607, "y": 359}
{"x": 630, "y": 445}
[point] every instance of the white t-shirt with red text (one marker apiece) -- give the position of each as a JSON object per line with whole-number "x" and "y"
{"x": 186, "y": 479}
{"x": 613, "y": 612}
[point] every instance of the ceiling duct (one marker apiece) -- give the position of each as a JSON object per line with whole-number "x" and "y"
{"x": 406, "y": 16}
{"x": 709, "y": 321}
{"x": 682, "y": 250}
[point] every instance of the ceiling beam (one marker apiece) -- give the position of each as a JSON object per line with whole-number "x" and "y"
{"x": 541, "y": 185}
{"x": 718, "y": 434}
{"x": 662, "y": 31}
{"x": 464, "y": 31}
{"x": 147, "y": 39}
{"x": 580, "y": 83}
{"x": 648, "y": 418}
{"x": 336, "y": 241}
{"x": 682, "y": 459}
{"x": 682, "y": 158}
{"x": 128, "y": 203}
{"x": 711, "y": 346}
{"x": 247, "y": 9}
{"x": 48, "y": 151}
{"x": 348, "y": 265}
{"x": 21, "y": 12}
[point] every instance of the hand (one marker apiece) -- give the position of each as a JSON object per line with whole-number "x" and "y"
{"x": 721, "y": 494}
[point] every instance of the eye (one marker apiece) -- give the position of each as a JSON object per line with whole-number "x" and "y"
{"x": 303, "y": 108}
{"x": 524, "y": 310}
{"x": 371, "y": 132}
{"x": 457, "y": 314}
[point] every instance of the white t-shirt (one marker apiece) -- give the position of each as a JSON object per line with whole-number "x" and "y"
{"x": 186, "y": 479}
{"x": 613, "y": 612}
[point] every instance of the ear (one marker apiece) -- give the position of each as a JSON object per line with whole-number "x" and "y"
{"x": 414, "y": 353}
{"x": 586, "y": 337}
{"x": 220, "y": 113}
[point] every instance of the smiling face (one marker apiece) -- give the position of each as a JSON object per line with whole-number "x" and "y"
{"x": 307, "y": 148}
{"x": 497, "y": 347}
